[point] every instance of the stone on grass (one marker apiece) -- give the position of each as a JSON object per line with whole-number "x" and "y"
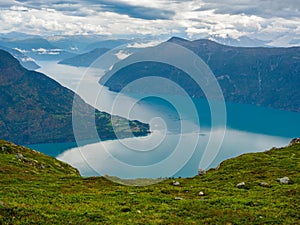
{"x": 178, "y": 198}
{"x": 241, "y": 185}
{"x": 284, "y": 180}
{"x": 201, "y": 193}
{"x": 264, "y": 184}
{"x": 19, "y": 156}
{"x": 176, "y": 183}
{"x": 201, "y": 172}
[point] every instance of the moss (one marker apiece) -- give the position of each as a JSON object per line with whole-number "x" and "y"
{"x": 56, "y": 194}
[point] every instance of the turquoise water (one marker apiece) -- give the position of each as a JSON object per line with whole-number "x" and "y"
{"x": 179, "y": 144}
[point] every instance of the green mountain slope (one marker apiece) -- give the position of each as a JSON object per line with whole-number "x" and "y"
{"x": 260, "y": 76}
{"x": 37, "y": 109}
{"x": 37, "y": 189}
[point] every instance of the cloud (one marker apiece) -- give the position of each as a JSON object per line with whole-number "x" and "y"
{"x": 265, "y": 8}
{"x": 276, "y": 21}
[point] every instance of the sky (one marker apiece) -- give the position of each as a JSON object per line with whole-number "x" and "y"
{"x": 270, "y": 20}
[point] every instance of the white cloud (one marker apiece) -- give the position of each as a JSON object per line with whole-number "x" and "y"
{"x": 191, "y": 18}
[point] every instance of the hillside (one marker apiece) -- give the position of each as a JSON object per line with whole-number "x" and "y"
{"x": 39, "y": 189}
{"x": 260, "y": 76}
{"x": 85, "y": 59}
{"x": 37, "y": 109}
{"x": 25, "y": 61}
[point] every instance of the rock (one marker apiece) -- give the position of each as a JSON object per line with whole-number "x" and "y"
{"x": 1, "y": 203}
{"x": 3, "y": 148}
{"x": 284, "y": 180}
{"x": 19, "y": 156}
{"x": 176, "y": 183}
{"x": 241, "y": 185}
{"x": 294, "y": 141}
{"x": 178, "y": 198}
{"x": 264, "y": 184}
{"x": 42, "y": 166}
{"x": 201, "y": 172}
{"x": 138, "y": 211}
{"x": 201, "y": 193}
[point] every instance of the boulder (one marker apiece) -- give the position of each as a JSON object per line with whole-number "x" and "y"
{"x": 294, "y": 141}
{"x": 201, "y": 193}
{"x": 241, "y": 185}
{"x": 284, "y": 180}
{"x": 19, "y": 156}
{"x": 264, "y": 184}
{"x": 201, "y": 172}
{"x": 176, "y": 183}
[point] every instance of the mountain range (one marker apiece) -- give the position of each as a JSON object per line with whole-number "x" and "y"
{"x": 85, "y": 59}
{"x": 37, "y": 109}
{"x": 261, "y": 76}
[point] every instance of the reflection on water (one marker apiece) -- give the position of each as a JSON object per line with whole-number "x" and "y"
{"x": 176, "y": 142}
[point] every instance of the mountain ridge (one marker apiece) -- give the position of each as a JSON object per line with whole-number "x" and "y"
{"x": 37, "y": 109}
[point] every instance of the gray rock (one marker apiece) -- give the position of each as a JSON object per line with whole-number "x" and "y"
{"x": 201, "y": 172}
{"x": 264, "y": 184}
{"x": 176, "y": 183}
{"x": 178, "y": 198}
{"x": 19, "y": 156}
{"x": 294, "y": 141}
{"x": 241, "y": 185}
{"x": 42, "y": 166}
{"x": 201, "y": 193}
{"x": 284, "y": 180}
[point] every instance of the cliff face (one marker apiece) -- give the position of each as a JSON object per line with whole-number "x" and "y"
{"x": 261, "y": 76}
{"x": 37, "y": 109}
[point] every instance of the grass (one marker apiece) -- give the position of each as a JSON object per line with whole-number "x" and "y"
{"x": 38, "y": 189}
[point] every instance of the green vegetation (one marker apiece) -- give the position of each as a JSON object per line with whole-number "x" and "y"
{"x": 36, "y": 109}
{"x": 38, "y": 189}
{"x": 259, "y": 76}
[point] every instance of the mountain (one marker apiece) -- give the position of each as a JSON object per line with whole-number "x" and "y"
{"x": 242, "y": 41}
{"x": 18, "y": 35}
{"x": 107, "y": 44}
{"x": 36, "y": 48}
{"x": 35, "y": 187}
{"x": 260, "y": 76}
{"x": 85, "y": 59}
{"x": 37, "y": 109}
{"x": 74, "y": 43}
{"x": 25, "y": 61}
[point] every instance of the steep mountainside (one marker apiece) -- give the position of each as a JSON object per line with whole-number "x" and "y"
{"x": 36, "y": 109}
{"x": 85, "y": 59}
{"x": 35, "y": 188}
{"x": 25, "y": 61}
{"x": 261, "y": 76}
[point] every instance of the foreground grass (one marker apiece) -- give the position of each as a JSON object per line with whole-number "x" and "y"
{"x": 37, "y": 189}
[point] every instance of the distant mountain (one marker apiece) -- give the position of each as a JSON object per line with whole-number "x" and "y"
{"x": 36, "y": 48}
{"x": 107, "y": 44}
{"x": 37, "y": 109}
{"x": 74, "y": 43}
{"x": 18, "y": 35}
{"x": 85, "y": 59}
{"x": 242, "y": 41}
{"x": 25, "y": 61}
{"x": 267, "y": 77}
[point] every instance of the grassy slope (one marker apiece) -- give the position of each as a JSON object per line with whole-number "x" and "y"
{"x": 56, "y": 194}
